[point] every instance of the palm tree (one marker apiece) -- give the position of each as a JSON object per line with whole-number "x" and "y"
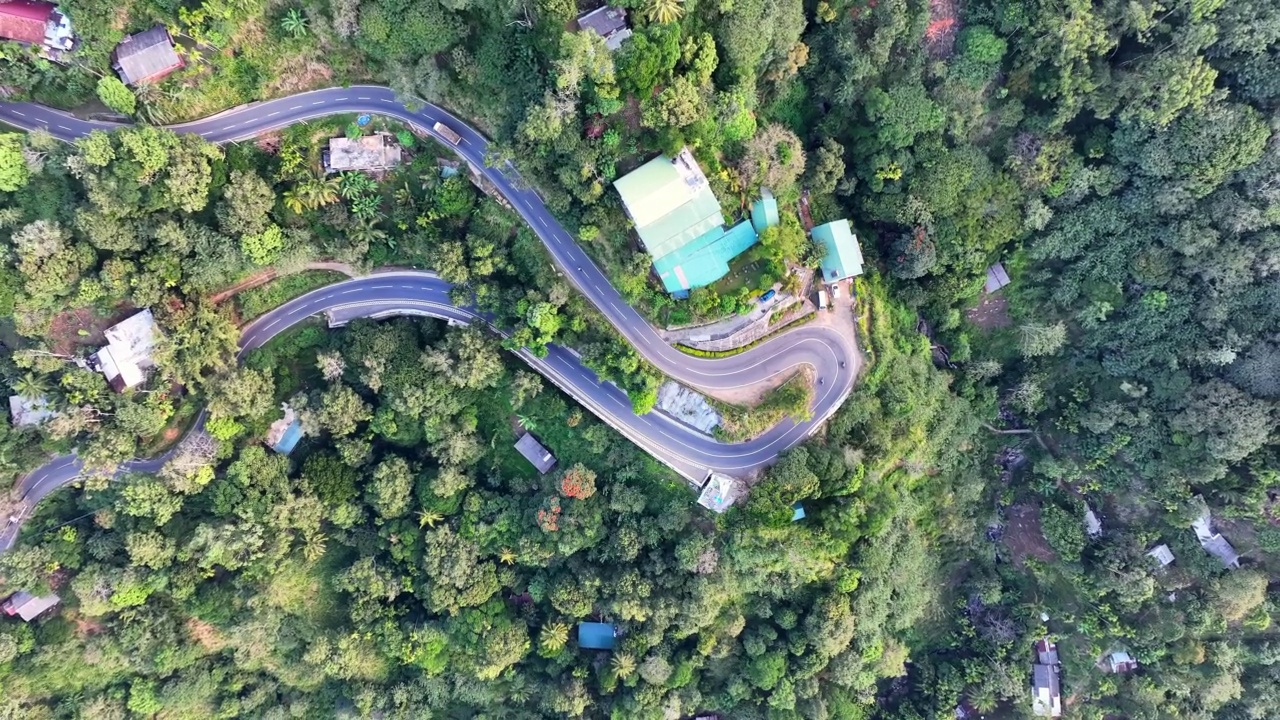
{"x": 313, "y": 193}
{"x": 294, "y": 200}
{"x": 31, "y": 386}
{"x": 664, "y": 11}
{"x": 428, "y": 518}
{"x": 366, "y": 232}
{"x": 507, "y": 556}
{"x": 553, "y": 637}
{"x": 295, "y": 23}
{"x": 623, "y": 664}
{"x": 527, "y": 423}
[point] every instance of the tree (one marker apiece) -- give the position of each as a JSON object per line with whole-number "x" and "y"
{"x": 1036, "y": 340}
{"x": 578, "y": 482}
{"x": 31, "y": 386}
{"x": 664, "y": 11}
{"x": 116, "y": 95}
{"x": 263, "y": 248}
{"x": 14, "y": 173}
{"x": 199, "y": 341}
{"x": 914, "y": 254}
{"x": 552, "y": 639}
{"x": 391, "y": 489}
{"x": 774, "y": 158}
{"x": 1237, "y": 593}
{"x": 342, "y": 410}
{"x": 245, "y": 203}
{"x": 294, "y": 23}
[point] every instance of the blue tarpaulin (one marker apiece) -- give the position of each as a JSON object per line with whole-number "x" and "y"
{"x": 597, "y": 636}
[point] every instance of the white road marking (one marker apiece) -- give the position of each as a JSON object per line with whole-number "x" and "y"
{"x": 341, "y": 99}
{"x": 64, "y": 127}
{"x": 386, "y": 100}
{"x": 295, "y": 107}
{"x": 318, "y": 102}
{"x": 382, "y": 287}
{"x": 206, "y": 133}
{"x": 19, "y": 114}
{"x": 273, "y": 114}
{"x": 230, "y": 126}
{"x": 363, "y": 98}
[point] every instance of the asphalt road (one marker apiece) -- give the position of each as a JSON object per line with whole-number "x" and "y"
{"x": 687, "y": 451}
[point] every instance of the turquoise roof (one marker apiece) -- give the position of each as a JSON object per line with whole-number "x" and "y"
{"x": 844, "y": 257}
{"x": 704, "y": 260}
{"x": 797, "y": 512}
{"x": 289, "y": 440}
{"x": 764, "y": 212}
{"x": 596, "y": 636}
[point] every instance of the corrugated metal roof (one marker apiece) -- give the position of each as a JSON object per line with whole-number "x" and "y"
{"x": 670, "y": 202}
{"x": 996, "y": 278}
{"x": 24, "y": 20}
{"x": 532, "y": 450}
{"x": 146, "y": 56}
{"x": 596, "y": 636}
{"x": 705, "y": 260}
{"x": 764, "y": 212}
{"x": 844, "y": 257}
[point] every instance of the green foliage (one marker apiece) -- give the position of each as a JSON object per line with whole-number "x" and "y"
{"x": 115, "y": 95}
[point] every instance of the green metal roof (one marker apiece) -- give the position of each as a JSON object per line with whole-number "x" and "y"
{"x": 844, "y": 257}
{"x": 670, "y": 202}
{"x": 764, "y": 212}
{"x": 704, "y": 260}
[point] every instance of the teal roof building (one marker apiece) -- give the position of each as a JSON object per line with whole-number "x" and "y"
{"x": 597, "y": 636}
{"x": 844, "y": 256}
{"x": 764, "y": 212}
{"x": 679, "y": 221}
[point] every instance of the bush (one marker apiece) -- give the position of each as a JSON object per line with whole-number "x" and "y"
{"x": 115, "y": 95}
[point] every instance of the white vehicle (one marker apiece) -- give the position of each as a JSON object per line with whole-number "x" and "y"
{"x": 835, "y": 290}
{"x": 822, "y": 299}
{"x": 447, "y": 133}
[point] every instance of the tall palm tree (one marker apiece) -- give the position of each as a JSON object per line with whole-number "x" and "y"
{"x": 366, "y": 232}
{"x": 295, "y": 23}
{"x": 664, "y": 11}
{"x": 31, "y": 386}
{"x": 317, "y": 192}
{"x": 623, "y": 663}
{"x": 294, "y": 200}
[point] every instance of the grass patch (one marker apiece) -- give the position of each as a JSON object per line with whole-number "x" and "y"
{"x": 254, "y": 302}
{"x": 739, "y": 350}
{"x": 790, "y": 399}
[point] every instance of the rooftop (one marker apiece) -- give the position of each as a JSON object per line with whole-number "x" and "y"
{"x": 996, "y": 278}
{"x": 1046, "y": 700}
{"x": 29, "y": 411}
{"x": 371, "y": 152}
{"x": 532, "y": 450}
{"x": 704, "y": 260}
{"x": 25, "y": 20}
{"x": 719, "y": 493}
{"x": 597, "y": 636}
{"x": 284, "y": 434}
{"x": 1162, "y": 554}
{"x": 609, "y": 23}
{"x": 843, "y": 258}
{"x": 130, "y": 344}
{"x": 764, "y": 212}
{"x": 28, "y": 606}
{"x": 146, "y": 56}
{"x": 670, "y": 202}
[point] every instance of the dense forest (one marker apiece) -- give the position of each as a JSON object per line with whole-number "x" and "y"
{"x": 1121, "y": 158}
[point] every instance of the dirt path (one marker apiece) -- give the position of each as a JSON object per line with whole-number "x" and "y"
{"x": 268, "y": 274}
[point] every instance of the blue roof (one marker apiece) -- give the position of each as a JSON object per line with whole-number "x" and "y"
{"x": 764, "y": 212}
{"x": 797, "y": 512}
{"x": 844, "y": 257}
{"x": 705, "y": 260}
{"x": 289, "y": 440}
{"x": 596, "y": 636}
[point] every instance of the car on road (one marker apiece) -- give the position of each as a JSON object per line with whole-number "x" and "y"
{"x": 447, "y": 133}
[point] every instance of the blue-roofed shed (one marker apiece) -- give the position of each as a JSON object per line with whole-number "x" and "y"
{"x": 797, "y": 512}
{"x": 284, "y": 434}
{"x": 704, "y": 260}
{"x": 597, "y": 636}
{"x": 844, "y": 257}
{"x": 764, "y": 212}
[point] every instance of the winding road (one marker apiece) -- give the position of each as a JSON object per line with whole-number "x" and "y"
{"x": 689, "y": 452}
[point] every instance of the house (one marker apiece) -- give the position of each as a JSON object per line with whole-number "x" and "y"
{"x": 26, "y": 412}
{"x": 370, "y": 152}
{"x": 1213, "y": 543}
{"x": 1119, "y": 662}
{"x": 1162, "y": 554}
{"x": 284, "y": 434}
{"x": 597, "y": 636}
{"x": 609, "y": 23}
{"x": 128, "y": 353}
{"x": 719, "y": 493}
{"x": 797, "y": 512}
{"x": 145, "y": 57}
{"x": 678, "y": 219}
{"x": 1046, "y": 691}
{"x": 538, "y": 456}
{"x": 27, "y": 606}
{"x": 36, "y": 23}
{"x": 764, "y": 212}
{"x": 844, "y": 257}
{"x": 996, "y": 278}
{"x": 1046, "y": 652}
{"x": 1092, "y": 525}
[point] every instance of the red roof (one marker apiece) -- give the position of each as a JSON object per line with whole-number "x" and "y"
{"x": 24, "y": 20}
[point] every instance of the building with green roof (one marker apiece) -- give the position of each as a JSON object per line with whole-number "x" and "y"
{"x": 844, "y": 257}
{"x": 764, "y": 212}
{"x": 679, "y": 221}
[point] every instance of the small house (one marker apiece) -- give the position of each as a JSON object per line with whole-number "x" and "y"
{"x": 371, "y": 153}
{"x": 1213, "y": 542}
{"x": 797, "y": 512}
{"x": 145, "y": 57}
{"x": 28, "y": 412}
{"x": 764, "y": 212}
{"x": 1161, "y": 554}
{"x": 597, "y": 636}
{"x": 843, "y": 258}
{"x": 996, "y": 278}
{"x": 1046, "y": 652}
{"x": 538, "y": 456}
{"x": 33, "y": 22}
{"x": 1046, "y": 691}
{"x": 284, "y": 434}
{"x": 128, "y": 353}
{"x": 28, "y": 606}
{"x": 719, "y": 493}
{"x": 1119, "y": 662}
{"x": 609, "y": 23}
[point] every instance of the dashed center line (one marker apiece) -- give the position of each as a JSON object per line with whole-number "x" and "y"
{"x": 318, "y": 102}
{"x": 295, "y": 107}
{"x": 273, "y": 114}
{"x": 19, "y": 114}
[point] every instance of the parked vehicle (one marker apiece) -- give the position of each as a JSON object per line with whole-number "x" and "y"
{"x": 822, "y": 299}
{"x": 767, "y": 296}
{"x": 835, "y": 290}
{"x": 447, "y": 133}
